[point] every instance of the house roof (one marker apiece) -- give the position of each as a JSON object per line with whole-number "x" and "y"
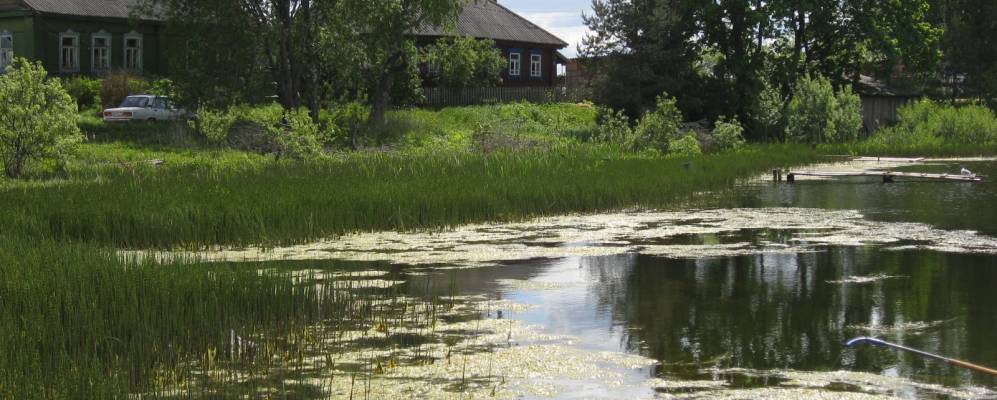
{"x": 482, "y": 19}
{"x": 83, "y": 8}
{"x": 486, "y": 19}
{"x": 869, "y": 86}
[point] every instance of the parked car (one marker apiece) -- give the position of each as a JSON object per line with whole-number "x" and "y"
{"x": 144, "y": 108}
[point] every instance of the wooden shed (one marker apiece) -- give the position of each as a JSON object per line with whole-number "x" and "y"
{"x": 880, "y": 102}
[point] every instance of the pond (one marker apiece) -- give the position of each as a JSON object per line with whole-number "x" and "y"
{"x": 750, "y": 294}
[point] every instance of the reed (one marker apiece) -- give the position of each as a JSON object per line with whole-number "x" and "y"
{"x": 270, "y": 203}
{"x": 77, "y": 321}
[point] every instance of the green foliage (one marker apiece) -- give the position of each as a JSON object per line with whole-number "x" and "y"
{"x": 728, "y": 135}
{"x": 614, "y": 127}
{"x": 453, "y": 128}
{"x": 215, "y": 125}
{"x": 768, "y": 117}
{"x": 686, "y": 146}
{"x": 715, "y": 55}
{"x": 341, "y": 122}
{"x": 164, "y": 87}
{"x": 118, "y": 85}
{"x": 263, "y": 129}
{"x": 231, "y": 199}
{"x": 37, "y": 117}
{"x": 659, "y": 126}
{"x": 818, "y": 114}
{"x": 927, "y": 123}
{"x": 85, "y": 90}
{"x": 461, "y": 62}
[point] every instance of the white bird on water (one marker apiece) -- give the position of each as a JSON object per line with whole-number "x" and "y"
{"x": 966, "y": 172}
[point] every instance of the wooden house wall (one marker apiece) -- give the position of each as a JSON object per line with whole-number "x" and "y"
{"x": 880, "y": 111}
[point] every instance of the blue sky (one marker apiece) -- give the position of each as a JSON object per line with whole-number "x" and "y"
{"x": 561, "y": 17}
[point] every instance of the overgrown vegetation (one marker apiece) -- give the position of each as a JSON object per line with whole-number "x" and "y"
{"x": 819, "y": 114}
{"x": 927, "y": 128}
{"x": 37, "y": 117}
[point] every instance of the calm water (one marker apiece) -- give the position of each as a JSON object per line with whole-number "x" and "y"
{"x": 703, "y": 317}
{"x": 735, "y": 321}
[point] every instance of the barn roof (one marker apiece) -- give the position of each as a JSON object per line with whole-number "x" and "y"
{"x": 486, "y": 19}
{"x": 869, "y": 86}
{"x": 483, "y": 19}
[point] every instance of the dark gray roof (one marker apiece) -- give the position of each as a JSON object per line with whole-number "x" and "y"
{"x": 869, "y": 86}
{"x": 486, "y": 19}
{"x": 482, "y": 19}
{"x": 84, "y": 8}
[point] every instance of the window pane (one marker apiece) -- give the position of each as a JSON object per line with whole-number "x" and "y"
{"x": 68, "y": 42}
{"x": 132, "y": 43}
{"x": 100, "y": 42}
{"x": 7, "y": 42}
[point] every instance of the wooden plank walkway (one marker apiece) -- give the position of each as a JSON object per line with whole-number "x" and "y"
{"x": 888, "y": 176}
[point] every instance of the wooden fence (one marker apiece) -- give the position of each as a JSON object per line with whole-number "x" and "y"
{"x": 443, "y": 97}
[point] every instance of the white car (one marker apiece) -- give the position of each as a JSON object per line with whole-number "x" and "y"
{"x": 144, "y": 108}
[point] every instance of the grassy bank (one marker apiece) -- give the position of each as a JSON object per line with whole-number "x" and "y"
{"x": 261, "y": 201}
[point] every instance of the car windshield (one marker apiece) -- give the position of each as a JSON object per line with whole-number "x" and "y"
{"x": 138, "y": 102}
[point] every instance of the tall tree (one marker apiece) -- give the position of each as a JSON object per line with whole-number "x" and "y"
{"x": 232, "y": 39}
{"x": 381, "y": 45}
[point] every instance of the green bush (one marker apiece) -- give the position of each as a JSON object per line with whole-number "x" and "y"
{"x": 767, "y": 116}
{"x": 213, "y": 124}
{"x": 614, "y": 127}
{"x": 687, "y": 145}
{"x": 659, "y": 126}
{"x": 85, "y": 90}
{"x": 263, "y": 129}
{"x": 37, "y": 117}
{"x": 929, "y": 123}
{"x": 818, "y": 114}
{"x": 342, "y": 122}
{"x": 728, "y": 135}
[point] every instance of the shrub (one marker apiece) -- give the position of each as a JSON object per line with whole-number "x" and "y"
{"x": 85, "y": 90}
{"x": 343, "y": 122}
{"x": 768, "y": 116}
{"x": 614, "y": 127}
{"x": 659, "y": 126}
{"x": 728, "y": 135}
{"x": 817, "y": 114}
{"x": 37, "y": 117}
{"x": 214, "y": 125}
{"x": 687, "y": 145}
{"x": 263, "y": 129}
{"x": 118, "y": 85}
{"x": 929, "y": 123}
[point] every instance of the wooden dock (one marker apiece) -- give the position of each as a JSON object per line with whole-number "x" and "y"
{"x": 887, "y": 176}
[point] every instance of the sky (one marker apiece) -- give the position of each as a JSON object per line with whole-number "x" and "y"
{"x": 563, "y": 18}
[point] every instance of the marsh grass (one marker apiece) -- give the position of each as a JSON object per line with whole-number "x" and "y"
{"x": 275, "y": 203}
{"x": 80, "y": 322}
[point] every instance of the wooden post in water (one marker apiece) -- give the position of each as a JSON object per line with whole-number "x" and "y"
{"x": 791, "y": 177}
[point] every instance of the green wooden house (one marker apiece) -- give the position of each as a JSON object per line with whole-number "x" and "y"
{"x": 93, "y": 37}
{"x": 90, "y": 37}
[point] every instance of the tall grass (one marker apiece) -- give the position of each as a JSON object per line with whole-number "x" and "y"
{"x": 927, "y": 128}
{"x": 76, "y": 321}
{"x": 276, "y": 203}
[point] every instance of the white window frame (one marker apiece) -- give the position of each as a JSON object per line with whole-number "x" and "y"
{"x": 536, "y": 65}
{"x": 74, "y": 52}
{"x": 516, "y": 64}
{"x": 137, "y": 66}
{"x": 107, "y": 53}
{"x": 6, "y": 53}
